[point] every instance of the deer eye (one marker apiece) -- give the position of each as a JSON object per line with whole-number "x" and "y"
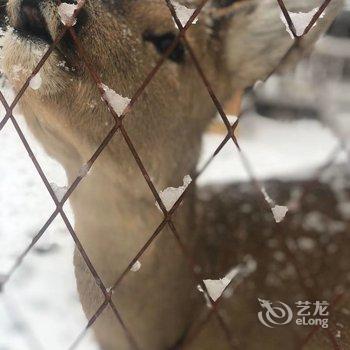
{"x": 163, "y": 41}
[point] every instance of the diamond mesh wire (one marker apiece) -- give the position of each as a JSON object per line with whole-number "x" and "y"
{"x": 168, "y": 220}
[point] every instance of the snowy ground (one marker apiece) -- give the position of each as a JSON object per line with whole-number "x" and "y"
{"x": 39, "y": 308}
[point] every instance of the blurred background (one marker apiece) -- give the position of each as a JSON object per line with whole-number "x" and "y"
{"x": 292, "y": 126}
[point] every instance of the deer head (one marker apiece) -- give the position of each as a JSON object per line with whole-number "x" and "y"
{"x": 237, "y": 43}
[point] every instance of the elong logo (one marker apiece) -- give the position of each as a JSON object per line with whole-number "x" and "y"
{"x": 274, "y": 314}
{"x": 279, "y": 313}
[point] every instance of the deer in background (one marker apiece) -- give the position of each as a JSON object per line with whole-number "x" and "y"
{"x": 238, "y": 43}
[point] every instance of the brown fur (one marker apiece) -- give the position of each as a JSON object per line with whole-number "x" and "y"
{"x": 114, "y": 210}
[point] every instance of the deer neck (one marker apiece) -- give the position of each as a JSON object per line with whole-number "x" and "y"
{"x": 114, "y": 209}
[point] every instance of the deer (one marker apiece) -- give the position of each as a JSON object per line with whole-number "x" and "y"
{"x": 238, "y": 43}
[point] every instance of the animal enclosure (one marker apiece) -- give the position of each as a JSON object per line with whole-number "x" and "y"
{"x": 290, "y": 238}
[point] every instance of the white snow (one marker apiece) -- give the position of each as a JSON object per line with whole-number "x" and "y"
{"x": 170, "y": 195}
{"x": 279, "y": 211}
{"x": 66, "y": 13}
{"x": 206, "y": 296}
{"x": 116, "y": 101}
{"x": 39, "y": 308}
{"x": 183, "y": 13}
{"x": 84, "y": 170}
{"x": 314, "y": 221}
{"x": 232, "y": 119}
{"x": 344, "y": 209}
{"x": 267, "y": 197}
{"x": 306, "y": 243}
{"x": 300, "y": 20}
{"x": 275, "y": 149}
{"x": 60, "y": 191}
{"x": 136, "y": 267}
{"x": 321, "y": 223}
{"x": 36, "y": 81}
{"x": 216, "y": 288}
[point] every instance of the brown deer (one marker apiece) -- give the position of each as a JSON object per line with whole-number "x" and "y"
{"x": 238, "y": 43}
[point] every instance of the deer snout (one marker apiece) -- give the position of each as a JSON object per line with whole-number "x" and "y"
{"x": 28, "y": 21}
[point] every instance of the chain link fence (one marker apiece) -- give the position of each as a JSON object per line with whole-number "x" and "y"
{"x": 318, "y": 271}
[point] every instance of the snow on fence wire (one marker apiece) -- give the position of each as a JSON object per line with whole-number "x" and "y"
{"x": 168, "y": 212}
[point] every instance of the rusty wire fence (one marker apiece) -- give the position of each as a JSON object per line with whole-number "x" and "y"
{"x": 214, "y": 311}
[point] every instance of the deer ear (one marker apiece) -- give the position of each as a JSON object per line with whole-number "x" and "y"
{"x": 256, "y": 39}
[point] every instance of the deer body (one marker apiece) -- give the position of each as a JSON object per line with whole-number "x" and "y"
{"x": 115, "y": 211}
